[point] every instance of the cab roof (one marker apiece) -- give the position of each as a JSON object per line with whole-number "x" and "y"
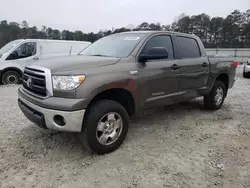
{"x": 155, "y": 32}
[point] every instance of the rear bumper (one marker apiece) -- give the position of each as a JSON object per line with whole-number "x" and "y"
{"x": 246, "y": 69}
{"x": 1, "y": 73}
{"x": 233, "y": 82}
{"x": 46, "y": 117}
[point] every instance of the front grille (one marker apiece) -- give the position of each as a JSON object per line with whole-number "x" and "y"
{"x": 34, "y": 81}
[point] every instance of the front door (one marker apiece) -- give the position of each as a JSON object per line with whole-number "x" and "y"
{"x": 158, "y": 78}
{"x": 24, "y": 55}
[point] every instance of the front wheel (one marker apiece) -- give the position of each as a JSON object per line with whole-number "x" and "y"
{"x": 216, "y": 97}
{"x": 105, "y": 126}
{"x": 11, "y": 77}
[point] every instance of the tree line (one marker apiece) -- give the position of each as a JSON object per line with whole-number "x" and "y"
{"x": 233, "y": 31}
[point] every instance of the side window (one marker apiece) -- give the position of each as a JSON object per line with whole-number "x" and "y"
{"x": 188, "y": 47}
{"x": 52, "y": 48}
{"x": 25, "y": 50}
{"x": 160, "y": 41}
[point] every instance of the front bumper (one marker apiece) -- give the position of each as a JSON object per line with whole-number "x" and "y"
{"x": 46, "y": 117}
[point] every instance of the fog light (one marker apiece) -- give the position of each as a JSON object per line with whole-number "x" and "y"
{"x": 59, "y": 120}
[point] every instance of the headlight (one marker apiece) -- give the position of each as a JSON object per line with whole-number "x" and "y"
{"x": 67, "y": 82}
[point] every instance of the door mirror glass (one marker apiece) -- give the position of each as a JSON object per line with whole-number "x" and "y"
{"x": 154, "y": 53}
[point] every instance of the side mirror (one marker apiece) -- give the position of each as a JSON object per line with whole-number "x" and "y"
{"x": 154, "y": 53}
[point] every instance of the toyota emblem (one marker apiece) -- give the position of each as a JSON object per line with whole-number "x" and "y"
{"x": 29, "y": 82}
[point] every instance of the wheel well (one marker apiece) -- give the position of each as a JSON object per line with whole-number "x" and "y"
{"x": 11, "y": 69}
{"x": 122, "y": 96}
{"x": 224, "y": 78}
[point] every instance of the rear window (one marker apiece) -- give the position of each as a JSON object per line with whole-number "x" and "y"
{"x": 188, "y": 47}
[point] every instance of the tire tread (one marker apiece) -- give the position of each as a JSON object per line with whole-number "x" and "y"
{"x": 209, "y": 99}
{"x": 90, "y": 115}
{"x": 8, "y": 72}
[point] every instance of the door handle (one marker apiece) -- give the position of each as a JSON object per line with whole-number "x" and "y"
{"x": 175, "y": 67}
{"x": 35, "y": 58}
{"x": 204, "y": 64}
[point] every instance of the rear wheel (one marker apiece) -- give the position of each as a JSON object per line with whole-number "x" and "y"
{"x": 105, "y": 126}
{"x": 11, "y": 77}
{"x": 216, "y": 97}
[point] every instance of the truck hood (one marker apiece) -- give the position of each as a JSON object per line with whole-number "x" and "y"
{"x": 68, "y": 64}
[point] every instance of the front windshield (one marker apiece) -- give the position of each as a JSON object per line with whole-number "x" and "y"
{"x": 119, "y": 45}
{"x": 9, "y": 46}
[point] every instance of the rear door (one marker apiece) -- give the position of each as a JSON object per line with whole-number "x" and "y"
{"x": 158, "y": 83}
{"x": 194, "y": 66}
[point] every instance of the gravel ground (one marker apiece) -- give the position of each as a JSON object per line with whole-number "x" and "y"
{"x": 181, "y": 146}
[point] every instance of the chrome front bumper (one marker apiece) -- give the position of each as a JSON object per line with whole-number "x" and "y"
{"x": 46, "y": 117}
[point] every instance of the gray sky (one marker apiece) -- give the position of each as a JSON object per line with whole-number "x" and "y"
{"x": 93, "y": 15}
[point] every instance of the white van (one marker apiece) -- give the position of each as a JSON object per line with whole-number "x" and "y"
{"x": 17, "y": 54}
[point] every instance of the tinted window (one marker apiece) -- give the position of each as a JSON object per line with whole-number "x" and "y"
{"x": 25, "y": 50}
{"x": 188, "y": 47}
{"x": 160, "y": 41}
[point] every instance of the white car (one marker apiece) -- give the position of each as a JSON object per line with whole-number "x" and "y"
{"x": 246, "y": 70}
{"x": 17, "y": 54}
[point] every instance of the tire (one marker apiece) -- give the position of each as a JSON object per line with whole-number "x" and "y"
{"x": 245, "y": 75}
{"x": 97, "y": 116}
{"x": 11, "y": 77}
{"x": 211, "y": 101}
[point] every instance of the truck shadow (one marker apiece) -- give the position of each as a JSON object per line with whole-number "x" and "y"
{"x": 174, "y": 111}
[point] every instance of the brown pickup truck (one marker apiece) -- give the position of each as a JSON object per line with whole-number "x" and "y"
{"x": 119, "y": 76}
